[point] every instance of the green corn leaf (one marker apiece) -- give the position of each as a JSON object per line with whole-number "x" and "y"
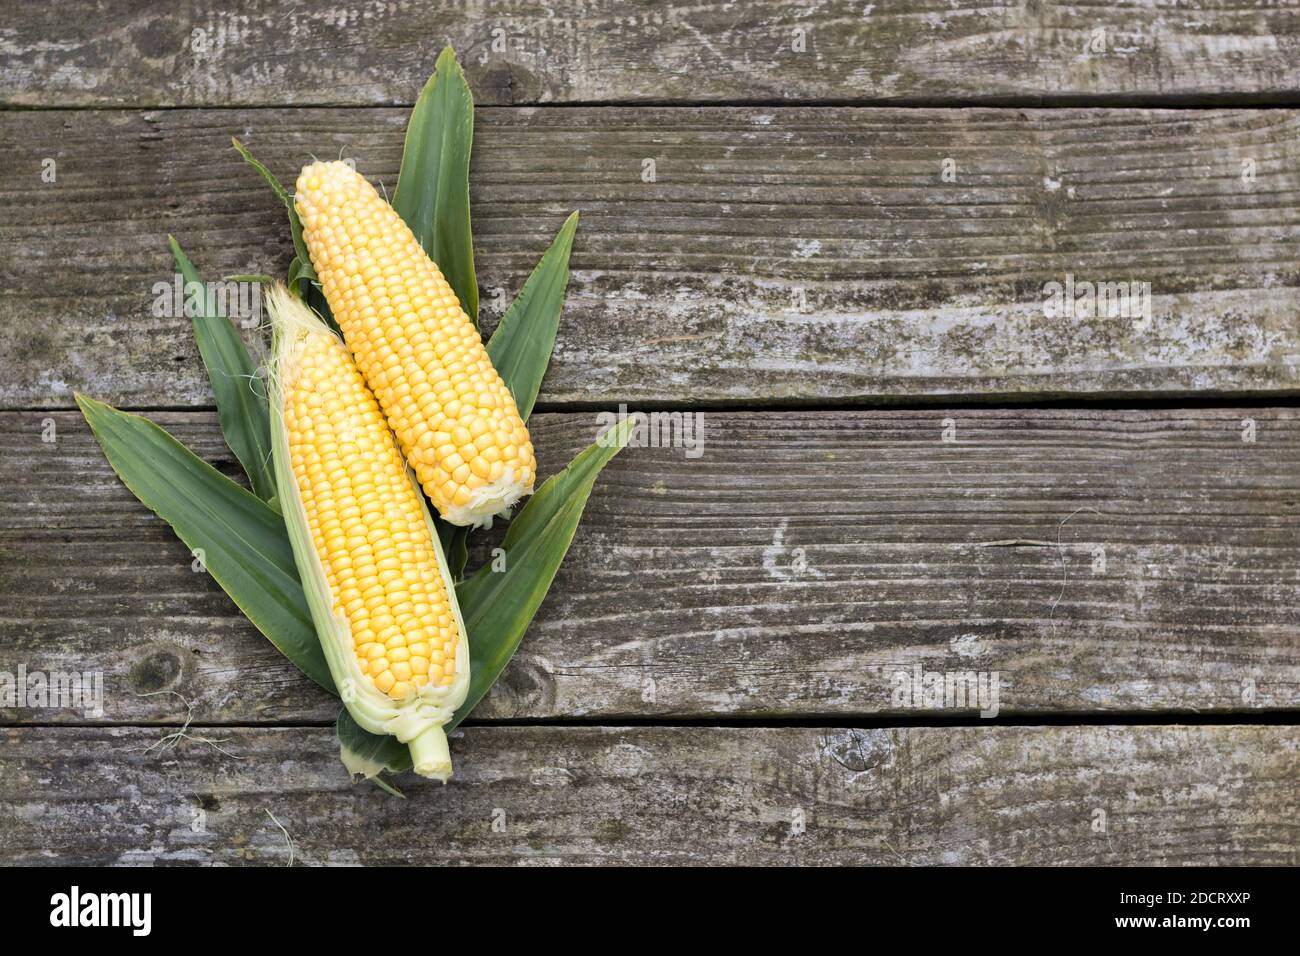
{"x": 243, "y": 541}
{"x": 521, "y": 346}
{"x": 241, "y": 399}
{"x": 302, "y": 259}
{"x": 498, "y": 606}
{"x": 277, "y": 187}
{"x": 432, "y": 194}
{"x": 315, "y": 298}
{"x": 368, "y": 755}
{"x": 455, "y": 545}
{"x": 456, "y": 548}
{"x": 301, "y": 276}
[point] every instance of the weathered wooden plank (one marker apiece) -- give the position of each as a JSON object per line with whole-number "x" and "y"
{"x": 1221, "y": 795}
{"x": 795, "y": 568}
{"x": 778, "y": 256}
{"x": 271, "y": 52}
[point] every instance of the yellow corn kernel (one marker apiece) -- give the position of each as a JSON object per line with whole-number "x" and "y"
{"x": 352, "y": 480}
{"x": 416, "y": 348}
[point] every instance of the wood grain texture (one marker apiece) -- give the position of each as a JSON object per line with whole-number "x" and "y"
{"x": 272, "y": 52}
{"x": 779, "y": 255}
{"x": 1173, "y": 795}
{"x": 793, "y": 570}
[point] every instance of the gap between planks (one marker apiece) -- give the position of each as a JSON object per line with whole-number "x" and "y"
{"x": 1146, "y": 403}
{"x": 830, "y": 721}
{"x": 1161, "y": 101}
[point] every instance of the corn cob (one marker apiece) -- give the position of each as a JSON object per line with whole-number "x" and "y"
{"x": 455, "y": 419}
{"x": 369, "y": 557}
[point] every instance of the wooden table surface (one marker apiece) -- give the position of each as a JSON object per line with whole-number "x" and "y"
{"x": 906, "y": 463}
